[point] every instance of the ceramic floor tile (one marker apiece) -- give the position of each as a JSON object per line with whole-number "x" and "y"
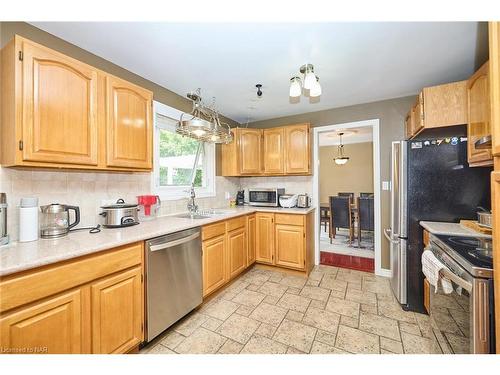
{"x": 312, "y": 282}
{"x": 294, "y": 302}
{"x": 330, "y": 282}
{"x": 349, "y": 321}
{"x": 249, "y": 298}
{"x": 325, "y": 337}
{"x": 380, "y": 287}
{"x": 263, "y": 345}
{"x": 294, "y": 281}
{"x": 372, "y": 309}
{"x": 317, "y": 304}
{"x": 316, "y": 275}
{"x": 314, "y": 292}
{"x": 256, "y": 278}
{"x": 244, "y": 310}
{"x": 273, "y": 289}
{"x": 292, "y": 290}
{"x": 322, "y": 348}
{"x": 291, "y": 350}
{"x": 394, "y": 311}
{"x": 296, "y": 335}
{"x": 294, "y": 315}
{"x": 322, "y": 319}
{"x": 349, "y": 277}
{"x": 189, "y": 324}
{"x": 253, "y": 287}
{"x": 238, "y": 328}
{"x": 230, "y": 347}
{"x": 266, "y": 330}
{"x": 159, "y": 349}
{"x": 361, "y": 296}
{"x": 343, "y": 307}
{"x": 172, "y": 339}
{"x": 221, "y": 309}
{"x": 391, "y": 345}
{"x": 202, "y": 341}
{"x": 212, "y": 324}
{"x": 379, "y": 325}
{"x": 410, "y": 328}
{"x": 415, "y": 344}
{"x": 356, "y": 341}
{"x": 269, "y": 314}
{"x": 272, "y": 300}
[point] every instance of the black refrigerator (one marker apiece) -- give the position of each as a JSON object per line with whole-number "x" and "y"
{"x": 431, "y": 181}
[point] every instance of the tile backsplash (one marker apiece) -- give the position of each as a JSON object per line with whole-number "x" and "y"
{"x": 88, "y": 190}
{"x": 291, "y": 184}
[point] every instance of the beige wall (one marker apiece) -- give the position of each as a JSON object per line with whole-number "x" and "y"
{"x": 356, "y": 176}
{"x": 161, "y": 94}
{"x": 391, "y": 114}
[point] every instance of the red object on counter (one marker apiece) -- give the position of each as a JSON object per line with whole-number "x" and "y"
{"x": 147, "y": 201}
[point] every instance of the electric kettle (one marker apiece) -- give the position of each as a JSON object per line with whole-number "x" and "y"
{"x": 54, "y": 221}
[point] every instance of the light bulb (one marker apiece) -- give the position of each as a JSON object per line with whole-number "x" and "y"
{"x": 315, "y": 90}
{"x": 199, "y": 132}
{"x": 309, "y": 80}
{"x": 295, "y": 87}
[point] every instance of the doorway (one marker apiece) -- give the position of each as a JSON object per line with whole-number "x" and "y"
{"x": 356, "y": 181}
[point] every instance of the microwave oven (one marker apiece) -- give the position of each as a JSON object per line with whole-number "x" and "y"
{"x": 264, "y": 197}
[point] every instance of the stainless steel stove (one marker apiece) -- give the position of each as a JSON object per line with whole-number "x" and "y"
{"x": 463, "y": 321}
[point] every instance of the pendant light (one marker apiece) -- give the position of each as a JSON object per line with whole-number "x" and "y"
{"x": 310, "y": 83}
{"x": 341, "y": 159}
{"x": 295, "y": 87}
{"x": 315, "y": 89}
{"x": 310, "y": 77}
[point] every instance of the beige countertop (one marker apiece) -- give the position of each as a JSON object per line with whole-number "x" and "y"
{"x": 18, "y": 256}
{"x": 451, "y": 229}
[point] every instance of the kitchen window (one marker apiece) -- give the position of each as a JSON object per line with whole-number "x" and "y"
{"x": 175, "y": 156}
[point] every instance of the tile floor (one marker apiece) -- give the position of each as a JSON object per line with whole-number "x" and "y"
{"x": 265, "y": 311}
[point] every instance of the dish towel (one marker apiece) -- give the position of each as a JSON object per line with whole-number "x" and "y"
{"x": 431, "y": 267}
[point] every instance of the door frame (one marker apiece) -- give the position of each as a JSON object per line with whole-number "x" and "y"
{"x": 375, "y": 125}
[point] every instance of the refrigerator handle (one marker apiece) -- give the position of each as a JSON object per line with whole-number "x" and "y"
{"x": 388, "y": 234}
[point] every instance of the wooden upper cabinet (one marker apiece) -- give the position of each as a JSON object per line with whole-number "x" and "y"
{"x": 117, "y": 312}
{"x": 290, "y": 246}
{"x": 297, "y": 149}
{"x": 479, "y": 126}
{"x": 274, "y": 162}
{"x": 494, "y": 78}
{"x": 59, "y": 101}
{"x": 250, "y": 151}
{"x": 56, "y": 324}
{"x": 129, "y": 124}
{"x": 264, "y": 244}
{"x": 417, "y": 122}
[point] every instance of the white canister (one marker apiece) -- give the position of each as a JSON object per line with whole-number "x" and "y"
{"x": 28, "y": 219}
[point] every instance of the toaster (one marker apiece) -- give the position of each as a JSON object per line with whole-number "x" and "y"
{"x": 303, "y": 201}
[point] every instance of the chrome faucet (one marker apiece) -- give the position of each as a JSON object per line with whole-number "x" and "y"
{"x": 192, "y": 206}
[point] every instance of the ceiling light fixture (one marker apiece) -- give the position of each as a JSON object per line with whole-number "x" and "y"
{"x": 311, "y": 82}
{"x": 341, "y": 159}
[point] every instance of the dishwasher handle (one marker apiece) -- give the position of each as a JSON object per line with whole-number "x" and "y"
{"x": 169, "y": 244}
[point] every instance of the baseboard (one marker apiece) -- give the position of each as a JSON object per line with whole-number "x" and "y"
{"x": 383, "y": 272}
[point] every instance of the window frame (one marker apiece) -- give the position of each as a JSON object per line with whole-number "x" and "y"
{"x": 179, "y": 192}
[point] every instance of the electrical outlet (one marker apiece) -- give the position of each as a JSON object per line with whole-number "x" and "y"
{"x": 386, "y": 185}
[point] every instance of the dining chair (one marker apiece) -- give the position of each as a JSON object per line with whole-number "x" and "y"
{"x": 366, "y": 195}
{"x": 345, "y": 194}
{"x": 365, "y": 216}
{"x": 340, "y": 216}
{"x": 324, "y": 216}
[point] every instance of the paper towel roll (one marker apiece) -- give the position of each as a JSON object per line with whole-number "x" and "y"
{"x": 28, "y": 224}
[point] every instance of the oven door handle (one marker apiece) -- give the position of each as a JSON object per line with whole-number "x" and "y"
{"x": 456, "y": 279}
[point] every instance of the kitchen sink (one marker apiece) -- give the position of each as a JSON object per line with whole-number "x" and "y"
{"x": 215, "y": 212}
{"x": 195, "y": 216}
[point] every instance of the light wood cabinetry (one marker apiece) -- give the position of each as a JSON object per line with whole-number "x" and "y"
{"x": 438, "y": 106}
{"x": 251, "y": 238}
{"x": 274, "y": 162}
{"x": 290, "y": 246}
{"x": 264, "y": 243}
{"x": 129, "y": 125}
{"x": 237, "y": 250}
{"x": 478, "y": 93}
{"x": 277, "y": 151}
{"x": 495, "y": 205}
{"x": 494, "y": 82}
{"x": 214, "y": 264}
{"x": 54, "y": 113}
{"x": 92, "y": 304}
{"x": 427, "y": 295}
{"x": 117, "y": 322}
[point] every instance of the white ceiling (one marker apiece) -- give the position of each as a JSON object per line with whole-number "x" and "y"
{"x": 356, "y": 62}
{"x": 351, "y": 135}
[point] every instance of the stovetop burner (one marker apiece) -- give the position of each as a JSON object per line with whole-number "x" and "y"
{"x": 476, "y": 251}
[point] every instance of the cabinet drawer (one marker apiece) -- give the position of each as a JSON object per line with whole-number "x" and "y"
{"x": 236, "y": 223}
{"x": 53, "y": 279}
{"x": 213, "y": 230}
{"x": 289, "y": 219}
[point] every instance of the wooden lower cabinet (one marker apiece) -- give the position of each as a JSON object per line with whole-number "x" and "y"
{"x": 214, "y": 260}
{"x": 290, "y": 246}
{"x": 93, "y": 304}
{"x": 55, "y": 326}
{"x": 251, "y": 237}
{"x": 427, "y": 295}
{"x": 117, "y": 311}
{"x": 264, "y": 243}
{"x": 237, "y": 251}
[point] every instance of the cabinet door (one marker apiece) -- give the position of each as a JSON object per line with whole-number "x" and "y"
{"x": 297, "y": 149}
{"x": 408, "y": 125}
{"x": 214, "y": 259}
{"x": 55, "y": 326}
{"x": 129, "y": 125}
{"x": 250, "y": 151}
{"x": 479, "y": 115}
{"x": 495, "y": 199}
{"x": 237, "y": 251}
{"x": 494, "y": 40}
{"x": 445, "y": 105}
{"x": 274, "y": 162}
{"x": 251, "y": 237}
{"x": 117, "y": 312}
{"x": 418, "y": 115}
{"x": 290, "y": 246}
{"x": 264, "y": 249}
{"x": 59, "y": 101}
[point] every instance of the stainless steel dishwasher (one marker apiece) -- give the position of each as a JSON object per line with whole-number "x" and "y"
{"x": 174, "y": 278}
